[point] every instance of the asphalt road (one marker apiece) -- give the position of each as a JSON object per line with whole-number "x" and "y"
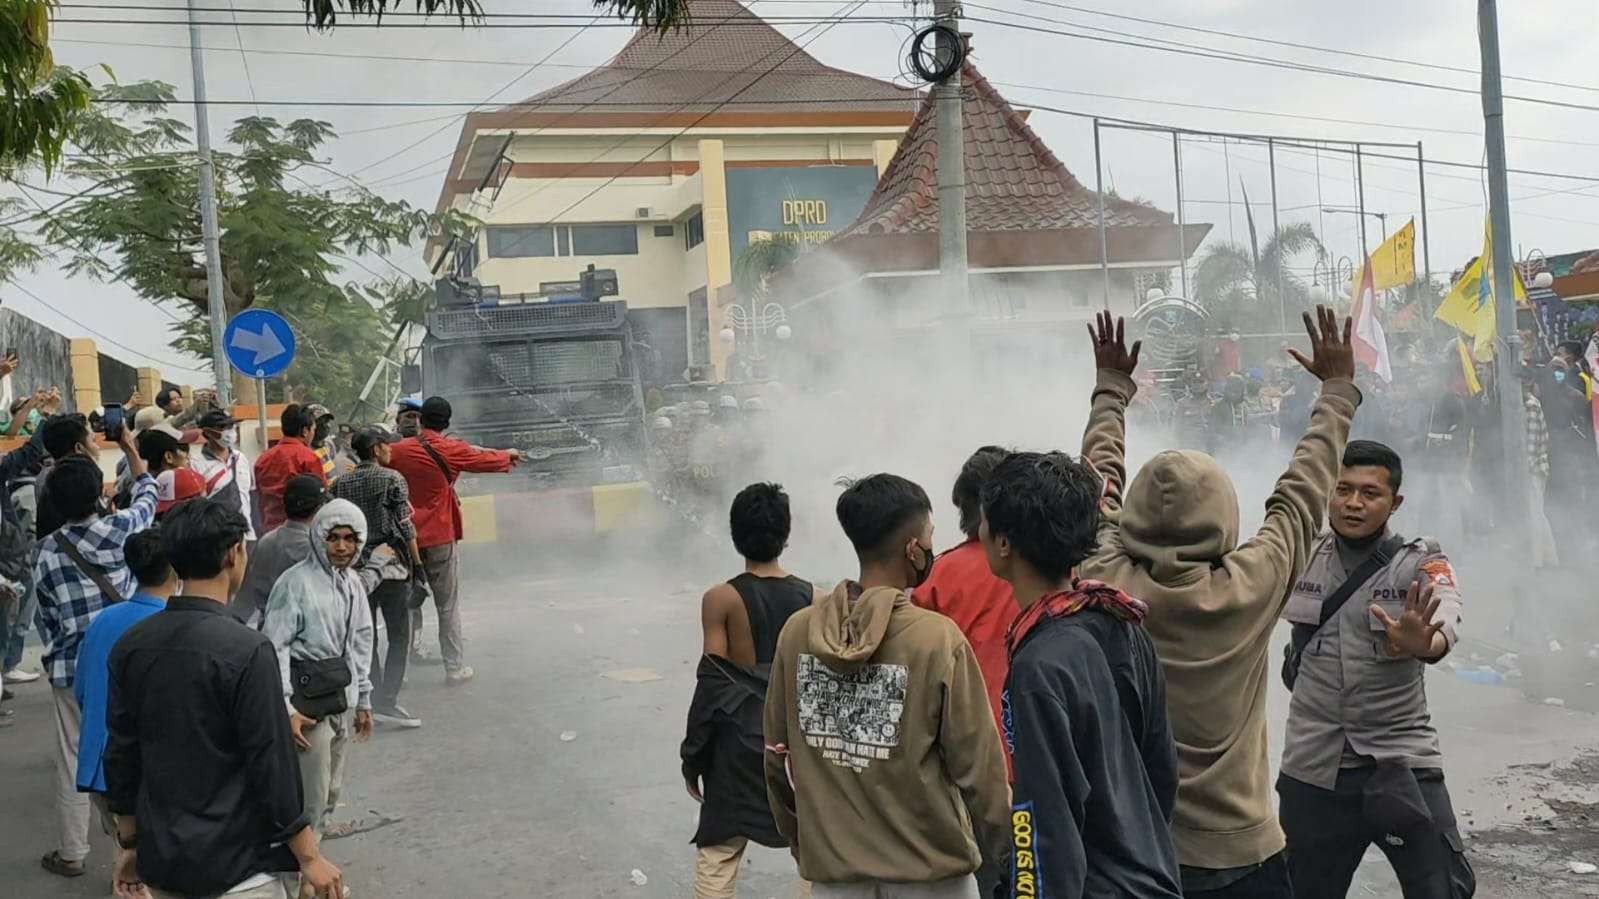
{"x": 488, "y": 799}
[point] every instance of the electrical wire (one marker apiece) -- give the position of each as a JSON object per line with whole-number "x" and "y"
{"x": 520, "y": 26}
{"x": 1233, "y": 35}
{"x": 108, "y": 339}
{"x": 244, "y": 57}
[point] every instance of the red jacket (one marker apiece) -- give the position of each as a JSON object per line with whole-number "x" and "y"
{"x": 437, "y": 511}
{"x": 273, "y": 469}
{"x": 962, "y": 589}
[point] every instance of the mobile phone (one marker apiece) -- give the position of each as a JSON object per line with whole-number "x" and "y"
{"x": 112, "y": 420}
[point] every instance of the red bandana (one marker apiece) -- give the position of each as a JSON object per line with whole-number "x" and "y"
{"x": 1082, "y": 595}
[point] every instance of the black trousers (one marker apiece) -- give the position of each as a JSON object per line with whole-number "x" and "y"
{"x": 391, "y": 598}
{"x": 1269, "y": 880}
{"x": 1328, "y": 833}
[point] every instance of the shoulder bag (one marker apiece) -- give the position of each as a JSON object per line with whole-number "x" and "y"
{"x": 1294, "y": 652}
{"x": 107, "y": 589}
{"x": 319, "y": 684}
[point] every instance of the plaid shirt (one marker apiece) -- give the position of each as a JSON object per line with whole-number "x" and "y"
{"x": 69, "y": 600}
{"x": 1537, "y": 437}
{"x": 382, "y": 496}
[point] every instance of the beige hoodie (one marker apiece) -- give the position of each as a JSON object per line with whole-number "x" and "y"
{"x": 1212, "y": 607}
{"x": 881, "y": 749}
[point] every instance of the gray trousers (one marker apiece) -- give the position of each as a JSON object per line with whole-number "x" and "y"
{"x": 273, "y": 890}
{"x": 72, "y": 807}
{"x": 442, "y": 566}
{"x": 322, "y": 766}
{"x": 953, "y": 888}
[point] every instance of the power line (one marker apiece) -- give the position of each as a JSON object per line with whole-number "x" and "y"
{"x": 1203, "y": 52}
{"x": 520, "y": 26}
{"x": 111, "y": 340}
{"x": 1300, "y": 46}
{"x": 243, "y": 57}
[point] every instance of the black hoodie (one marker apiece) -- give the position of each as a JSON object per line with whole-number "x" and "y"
{"x": 1095, "y": 769}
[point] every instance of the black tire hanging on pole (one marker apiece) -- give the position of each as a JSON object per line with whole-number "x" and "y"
{"x": 928, "y": 64}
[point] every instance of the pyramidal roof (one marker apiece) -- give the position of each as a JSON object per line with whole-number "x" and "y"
{"x": 1013, "y": 181}
{"x": 724, "y": 55}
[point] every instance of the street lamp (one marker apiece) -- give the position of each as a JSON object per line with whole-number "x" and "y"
{"x": 741, "y": 320}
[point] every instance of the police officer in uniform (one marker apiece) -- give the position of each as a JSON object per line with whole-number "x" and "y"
{"x": 1361, "y": 762}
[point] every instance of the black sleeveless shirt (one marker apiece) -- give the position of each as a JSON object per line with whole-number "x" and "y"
{"x": 769, "y": 601}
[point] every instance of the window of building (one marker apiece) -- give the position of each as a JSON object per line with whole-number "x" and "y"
{"x": 664, "y": 231}
{"x": 604, "y": 240}
{"x": 511, "y": 241}
{"x": 563, "y": 238}
{"x": 465, "y": 258}
{"x": 694, "y": 231}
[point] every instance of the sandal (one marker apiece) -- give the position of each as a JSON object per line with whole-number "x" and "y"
{"x": 57, "y": 865}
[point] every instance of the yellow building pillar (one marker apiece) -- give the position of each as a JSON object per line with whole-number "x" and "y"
{"x": 882, "y": 153}
{"x": 718, "y": 245}
{"x": 149, "y": 383}
{"x": 84, "y": 362}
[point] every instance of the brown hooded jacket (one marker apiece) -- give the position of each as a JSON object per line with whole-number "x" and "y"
{"x": 881, "y": 750}
{"x": 1173, "y": 542}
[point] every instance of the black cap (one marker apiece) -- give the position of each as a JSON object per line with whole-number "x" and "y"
{"x": 436, "y": 413}
{"x": 303, "y": 495}
{"x": 216, "y": 420}
{"x": 367, "y": 438}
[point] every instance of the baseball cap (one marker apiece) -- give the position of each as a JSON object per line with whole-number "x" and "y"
{"x": 318, "y": 412}
{"x": 175, "y": 485}
{"x": 217, "y": 420}
{"x": 367, "y": 438}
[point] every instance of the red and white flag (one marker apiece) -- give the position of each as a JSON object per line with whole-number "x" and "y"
{"x": 1371, "y": 344}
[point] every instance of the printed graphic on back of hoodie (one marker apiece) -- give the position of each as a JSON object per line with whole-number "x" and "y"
{"x": 851, "y": 719}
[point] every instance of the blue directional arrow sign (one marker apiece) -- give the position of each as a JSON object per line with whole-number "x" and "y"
{"x": 259, "y": 343}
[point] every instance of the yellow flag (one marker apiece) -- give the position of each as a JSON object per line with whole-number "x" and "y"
{"x": 1469, "y": 306}
{"x": 1472, "y": 384}
{"x": 1394, "y": 263}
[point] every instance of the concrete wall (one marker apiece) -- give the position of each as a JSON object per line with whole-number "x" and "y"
{"x": 45, "y": 356}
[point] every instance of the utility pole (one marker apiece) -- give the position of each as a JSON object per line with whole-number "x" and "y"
{"x": 1507, "y": 356}
{"x": 951, "y": 167}
{"x": 208, "y": 217}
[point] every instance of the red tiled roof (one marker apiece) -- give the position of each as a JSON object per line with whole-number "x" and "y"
{"x": 1013, "y": 181}
{"x": 726, "y": 54}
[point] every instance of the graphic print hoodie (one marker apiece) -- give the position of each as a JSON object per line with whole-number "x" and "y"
{"x": 882, "y": 759}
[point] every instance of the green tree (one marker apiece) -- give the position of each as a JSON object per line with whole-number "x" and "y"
{"x": 1237, "y": 284}
{"x": 761, "y": 260}
{"x": 658, "y": 14}
{"x": 284, "y": 244}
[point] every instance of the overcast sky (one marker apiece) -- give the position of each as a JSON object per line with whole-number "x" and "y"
{"x": 1547, "y": 40}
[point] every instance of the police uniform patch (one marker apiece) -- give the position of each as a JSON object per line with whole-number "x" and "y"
{"x": 1439, "y": 572}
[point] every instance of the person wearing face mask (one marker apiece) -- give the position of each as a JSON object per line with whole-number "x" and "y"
{"x": 408, "y": 417}
{"x": 883, "y": 764}
{"x": 229, "y": 478}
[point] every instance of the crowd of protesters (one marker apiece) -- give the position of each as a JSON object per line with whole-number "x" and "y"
{"x": 1071, "y": 701}
{"x": 208, "y": 685}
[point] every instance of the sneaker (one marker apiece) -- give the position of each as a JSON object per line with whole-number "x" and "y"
{"x": 18, "y": 676}
{"x": 459, "y": 676}
{"x": 7, "y": 695}
{"x": 420, "y": 656}
{"x": 396, "y": 716}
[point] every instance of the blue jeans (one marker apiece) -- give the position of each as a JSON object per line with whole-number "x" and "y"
{"x": 13, "y": 633}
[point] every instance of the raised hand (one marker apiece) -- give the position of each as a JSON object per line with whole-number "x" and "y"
{"x": 1413, "y": 633}
{"x": 1110, "y": 344}
{"x": 1330, "y": 356}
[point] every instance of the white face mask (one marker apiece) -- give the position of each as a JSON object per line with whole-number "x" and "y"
{"x": 230, "y": 438}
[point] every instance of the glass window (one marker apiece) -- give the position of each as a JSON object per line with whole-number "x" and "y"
{"x": 563, "y": 236}
{"x": 664, "y": 231}
{"x": 518, "y": 240}
{"x": 694, "y": 231}
{"x": 604, "y": 240}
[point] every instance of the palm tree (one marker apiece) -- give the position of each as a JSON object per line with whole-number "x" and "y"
{"x": 1236, "y": 282}
{"x": 761, "y": 260}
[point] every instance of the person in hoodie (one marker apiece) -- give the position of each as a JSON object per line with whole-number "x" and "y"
{"x": 1171, "y": 539}
{"x": 1095, "y": 773}
{"x": 883, "y": 765}
{"x": 318, "y": 610}
{"x": 723, "y": 745}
